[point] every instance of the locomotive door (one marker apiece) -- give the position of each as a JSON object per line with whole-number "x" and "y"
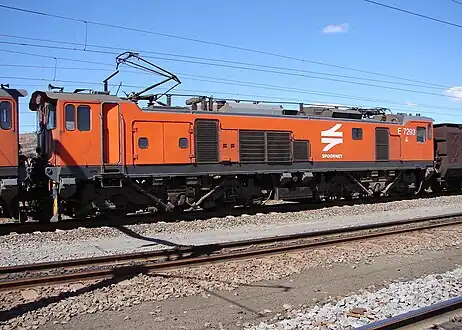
{"x": 382, "y": 143}
{"x": 395, "y": 147}
{"x": 111, "y": 146}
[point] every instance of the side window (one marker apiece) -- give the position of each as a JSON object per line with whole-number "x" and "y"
{"x": 183, "y": 143}
{"x": 70, "y": 117}
{"x": 143, "y": 143}
{"x": 5, "y": 115}
{"x": 429, "y": 133}
{"x": 83, "y": 118}
{"x": 421, "y": 134}
{"x": 357, "y": 133}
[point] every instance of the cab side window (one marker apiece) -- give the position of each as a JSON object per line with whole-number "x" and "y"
{"x": 83, "y": 118}
{"x": 70, "y": 117}
{"x": 5, "y": 115}
{"x": 357, "y": 133}
{"x": 421, "y": 134}
{"x": 79, "y": 117}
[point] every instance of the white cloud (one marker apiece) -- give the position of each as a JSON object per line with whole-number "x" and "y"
{"x": 336, "y": 28}
{"x": 410, "y": 104}
{"x": 454, "y": 93}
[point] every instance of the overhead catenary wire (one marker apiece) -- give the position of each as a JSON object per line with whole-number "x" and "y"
{"x": 233, "y": 82}
{"x": 415, "y": 14}
{"x": 345, "y": 96}
{"x": 231, "y": 66}
{"x": 247, "y": 83}
{"x": 121, "y": 49}
{"x": 261, "y": 97}
{"x": 196, "y": 40}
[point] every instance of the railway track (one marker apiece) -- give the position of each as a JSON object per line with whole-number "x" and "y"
{"x": 423, "y": 318}
{"x": 132, "y": 264}
{"x": 69, "y": 224}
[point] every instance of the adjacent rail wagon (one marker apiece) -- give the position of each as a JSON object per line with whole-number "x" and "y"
{"x": 448, "y": 154}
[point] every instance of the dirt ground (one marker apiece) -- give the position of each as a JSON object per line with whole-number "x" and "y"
{"x": 252, "y": 304}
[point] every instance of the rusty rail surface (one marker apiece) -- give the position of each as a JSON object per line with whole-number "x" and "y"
{"x": 418, "y": 317}
{"x": 184, "y": 256}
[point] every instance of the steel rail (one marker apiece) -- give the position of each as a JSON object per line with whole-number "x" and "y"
{"x": 202, "y": 254}
{"x": 195, "y": 250}
{"x": 415, "y": 316}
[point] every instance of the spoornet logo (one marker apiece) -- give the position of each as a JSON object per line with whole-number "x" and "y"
{"x": 331, "y": 137}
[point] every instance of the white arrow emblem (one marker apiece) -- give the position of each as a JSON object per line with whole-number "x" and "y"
{"x": 332, "y": 137}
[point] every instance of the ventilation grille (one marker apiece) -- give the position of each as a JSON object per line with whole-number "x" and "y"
{"x": 206, "y": 138}
{"x": 279, "y": 148}
{"x": 301, "y": 152}
{"x": 252, "y": 146}
{"x": 263, "y": 146}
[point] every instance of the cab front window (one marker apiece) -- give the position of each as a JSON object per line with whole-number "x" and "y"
{"x": 421, "y": 134}
{"x": 51, "y": 117}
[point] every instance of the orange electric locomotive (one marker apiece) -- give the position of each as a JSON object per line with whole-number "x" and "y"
{"x": 107, "y": 154}
{"x": 99, "y": 153}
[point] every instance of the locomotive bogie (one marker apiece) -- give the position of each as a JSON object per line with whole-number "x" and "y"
{"x": 209, "y": 192}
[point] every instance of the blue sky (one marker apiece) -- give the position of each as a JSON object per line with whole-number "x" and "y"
{"x": 363, "y": 36}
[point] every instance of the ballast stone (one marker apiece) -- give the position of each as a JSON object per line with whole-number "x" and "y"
{"x": 397, "y": 298}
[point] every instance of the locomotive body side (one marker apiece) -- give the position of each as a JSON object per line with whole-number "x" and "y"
{"x": 108, "y": 154}
{"x": 296, "y": 157}
{"x": 218, "y": 144}
{"x": 9, "y": 152}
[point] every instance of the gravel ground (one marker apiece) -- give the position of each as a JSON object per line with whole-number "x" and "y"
{"x": 455, "y": 323}
{"x": 58, "y": 305}
{"x": 361, "y": 309}
{"x": 86, "y": 242}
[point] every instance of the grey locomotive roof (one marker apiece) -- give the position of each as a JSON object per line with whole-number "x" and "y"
{"x": 446, "y": 124}
{"x": 241, "y": 108}
{"x": 423, "y": 118}
{"x": 229, "y": 109}
{"x": 403, "y": 118}
{"x": 83, "y": 96}
{"x": 12, "y": 92}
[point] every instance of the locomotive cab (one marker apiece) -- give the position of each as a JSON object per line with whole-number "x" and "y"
{"x": 72, "y": 126}
{"x": 79, "y": 140}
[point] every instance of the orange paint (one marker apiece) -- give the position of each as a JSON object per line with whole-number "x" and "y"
{"x": 177, "y": 143}
{"x": 77, "y": 145}
{"x": 9, "y": 135}
{"x": 229, "y": 147}
{"x": 111, "y": 134}
{"x": 146, "y": 142}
